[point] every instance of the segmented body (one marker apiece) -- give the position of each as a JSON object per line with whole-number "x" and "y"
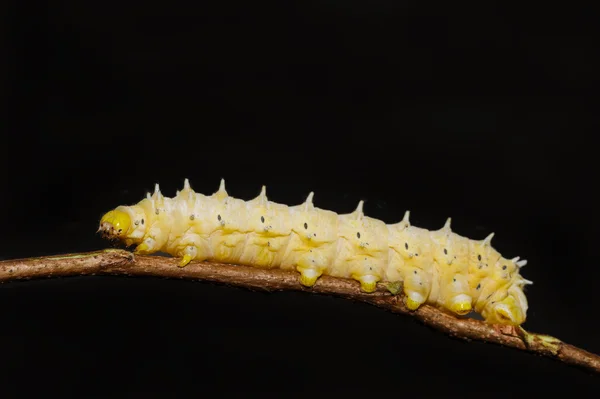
{"x": 437, "y": 267}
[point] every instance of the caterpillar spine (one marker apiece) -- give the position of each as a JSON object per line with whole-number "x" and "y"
{"x": 438, "y": 267}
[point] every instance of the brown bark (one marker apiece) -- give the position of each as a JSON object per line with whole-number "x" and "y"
{"x": 120, "y": 262}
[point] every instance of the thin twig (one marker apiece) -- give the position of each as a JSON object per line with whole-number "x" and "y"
{"x": 120, "y": 262}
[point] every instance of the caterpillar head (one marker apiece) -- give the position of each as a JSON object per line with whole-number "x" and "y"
{"x": 510, "y": 310}
{"x": 129, "y": 223}
{"x": 125, "y": 223}
{"x": 115, "y": 224}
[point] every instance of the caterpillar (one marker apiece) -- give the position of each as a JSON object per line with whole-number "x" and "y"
{"x": 437, "y": 267}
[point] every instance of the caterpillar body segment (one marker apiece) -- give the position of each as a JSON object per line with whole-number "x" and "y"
{"x": 411, "y": 261}
{"x": 436, "y": 267}
{"x": 362, "y": 249}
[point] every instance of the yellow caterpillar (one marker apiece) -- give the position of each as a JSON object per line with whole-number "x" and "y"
{"x": 436, "y": 267}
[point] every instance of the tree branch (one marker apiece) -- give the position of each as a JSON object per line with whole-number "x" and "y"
{"x": 120, "y": 262}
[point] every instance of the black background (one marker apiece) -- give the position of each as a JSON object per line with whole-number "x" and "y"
{"x": 478, "y": 112}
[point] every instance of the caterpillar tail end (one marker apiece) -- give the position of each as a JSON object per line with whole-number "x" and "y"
{"x": 309, "y": 277}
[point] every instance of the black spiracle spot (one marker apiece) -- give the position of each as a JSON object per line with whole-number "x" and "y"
{"x": 357, "y": 235}
{"x": 262, "y": 219}
{"x": 406, "y": 246}
{"x": 219, "y": 218}
{"x": 305, "y": 226}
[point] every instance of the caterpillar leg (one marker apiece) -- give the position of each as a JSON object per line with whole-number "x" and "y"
{"x": 461, "y": 304}
{"x": 146, "y": 247}
{"x": 417, "y": 286}
{"x": 368, "y": 283}
{"x": 190, "y": 252}
{"x": 308, "y": 276}
{"x": 185, "y": 260}
{"x": 414, "y": 300}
